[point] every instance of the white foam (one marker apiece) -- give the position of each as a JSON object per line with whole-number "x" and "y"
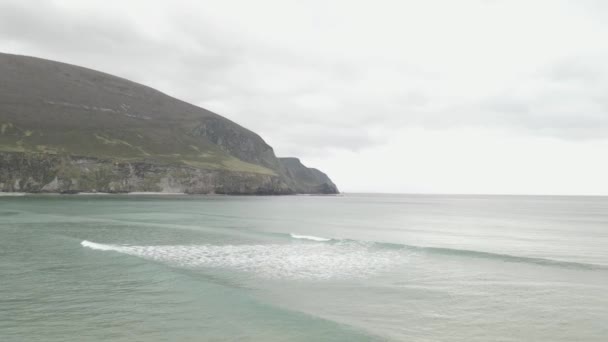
{"x": 292, "y": 261}
{"x": 309, "y": 237}
{"x": 11, "y": 194}
{"x": 155, "y": 193}
{"x": 99, "y": 246}
{"x": 92, "y": 193}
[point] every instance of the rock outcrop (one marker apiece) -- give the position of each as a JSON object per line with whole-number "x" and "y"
{"x": 305, "y": 180}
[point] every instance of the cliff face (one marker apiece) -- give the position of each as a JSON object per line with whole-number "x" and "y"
{"x": 65, "y": 128}
{"x": 44, "y": 173}
{"x": 237, "y": 141}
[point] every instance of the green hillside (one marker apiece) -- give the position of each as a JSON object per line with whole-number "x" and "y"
{"x": 52, "y": 107}
{"x": 58, "y": 109}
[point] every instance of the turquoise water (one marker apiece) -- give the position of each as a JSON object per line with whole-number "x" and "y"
{"x": 303, "y": 268}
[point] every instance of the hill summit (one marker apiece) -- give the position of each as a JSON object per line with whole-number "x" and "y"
{"x": 65, "y": 128}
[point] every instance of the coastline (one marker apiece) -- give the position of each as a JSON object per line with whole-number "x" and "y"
{"x": 151, "y": 193}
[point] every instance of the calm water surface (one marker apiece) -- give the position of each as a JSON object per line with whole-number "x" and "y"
{"x": 303, "y": 268}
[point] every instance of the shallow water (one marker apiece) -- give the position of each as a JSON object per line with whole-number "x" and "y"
{"x": 341, "y": 268}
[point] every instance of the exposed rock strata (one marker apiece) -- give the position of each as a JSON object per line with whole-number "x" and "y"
{"x": 46, "y": 173}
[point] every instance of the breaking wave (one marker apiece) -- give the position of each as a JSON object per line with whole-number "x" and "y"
{"x": 294, "y": 261}
{"x": 12, "y": 194}
{"x": 309, "y": 237}
{"x": 314, "y": 258}
{"x": 100, "y": 246}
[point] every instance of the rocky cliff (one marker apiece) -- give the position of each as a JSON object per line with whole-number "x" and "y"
{"x": 39, "y": 173}
{"x": 305, "y": 180}
{"x": 65, "y": 128}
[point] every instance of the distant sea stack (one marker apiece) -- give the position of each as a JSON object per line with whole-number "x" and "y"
{"x": 68, "y": 129}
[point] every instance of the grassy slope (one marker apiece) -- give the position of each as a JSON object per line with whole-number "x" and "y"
{"x": 50, "y": 107}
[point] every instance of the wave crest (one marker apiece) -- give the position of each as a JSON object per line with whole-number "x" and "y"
{"x": 336, "y": 259}
{"x": 309, "y": 237}
{"x": 99, "y": 246}
{"x": 293, "y": 261}
{"x": 463, "y": 253}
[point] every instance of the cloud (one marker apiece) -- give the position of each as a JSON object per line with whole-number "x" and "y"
{"x": 315, "y": 78}
{"x": 317, "y": 65}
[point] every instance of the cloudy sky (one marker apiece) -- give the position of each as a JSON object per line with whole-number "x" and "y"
{"x": 428, "y": 96}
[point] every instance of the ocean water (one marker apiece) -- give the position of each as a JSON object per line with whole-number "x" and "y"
{"x": 303, "y": 268}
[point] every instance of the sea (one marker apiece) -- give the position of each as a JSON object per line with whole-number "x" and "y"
{"x": 352, "y": 267}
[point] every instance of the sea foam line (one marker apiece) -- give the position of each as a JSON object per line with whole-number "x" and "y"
{"x": 309, "y": 237}
{"x": 312, "y": 260}
{"x": 286, "y": 261}
{"x": 99, "y": 246}
{"x": 151, "y": 193}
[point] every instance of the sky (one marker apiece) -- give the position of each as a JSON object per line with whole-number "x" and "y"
{"x": 478, "y": 97}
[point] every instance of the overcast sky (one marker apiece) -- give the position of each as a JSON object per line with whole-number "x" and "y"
{"x": 421, "y": 96}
